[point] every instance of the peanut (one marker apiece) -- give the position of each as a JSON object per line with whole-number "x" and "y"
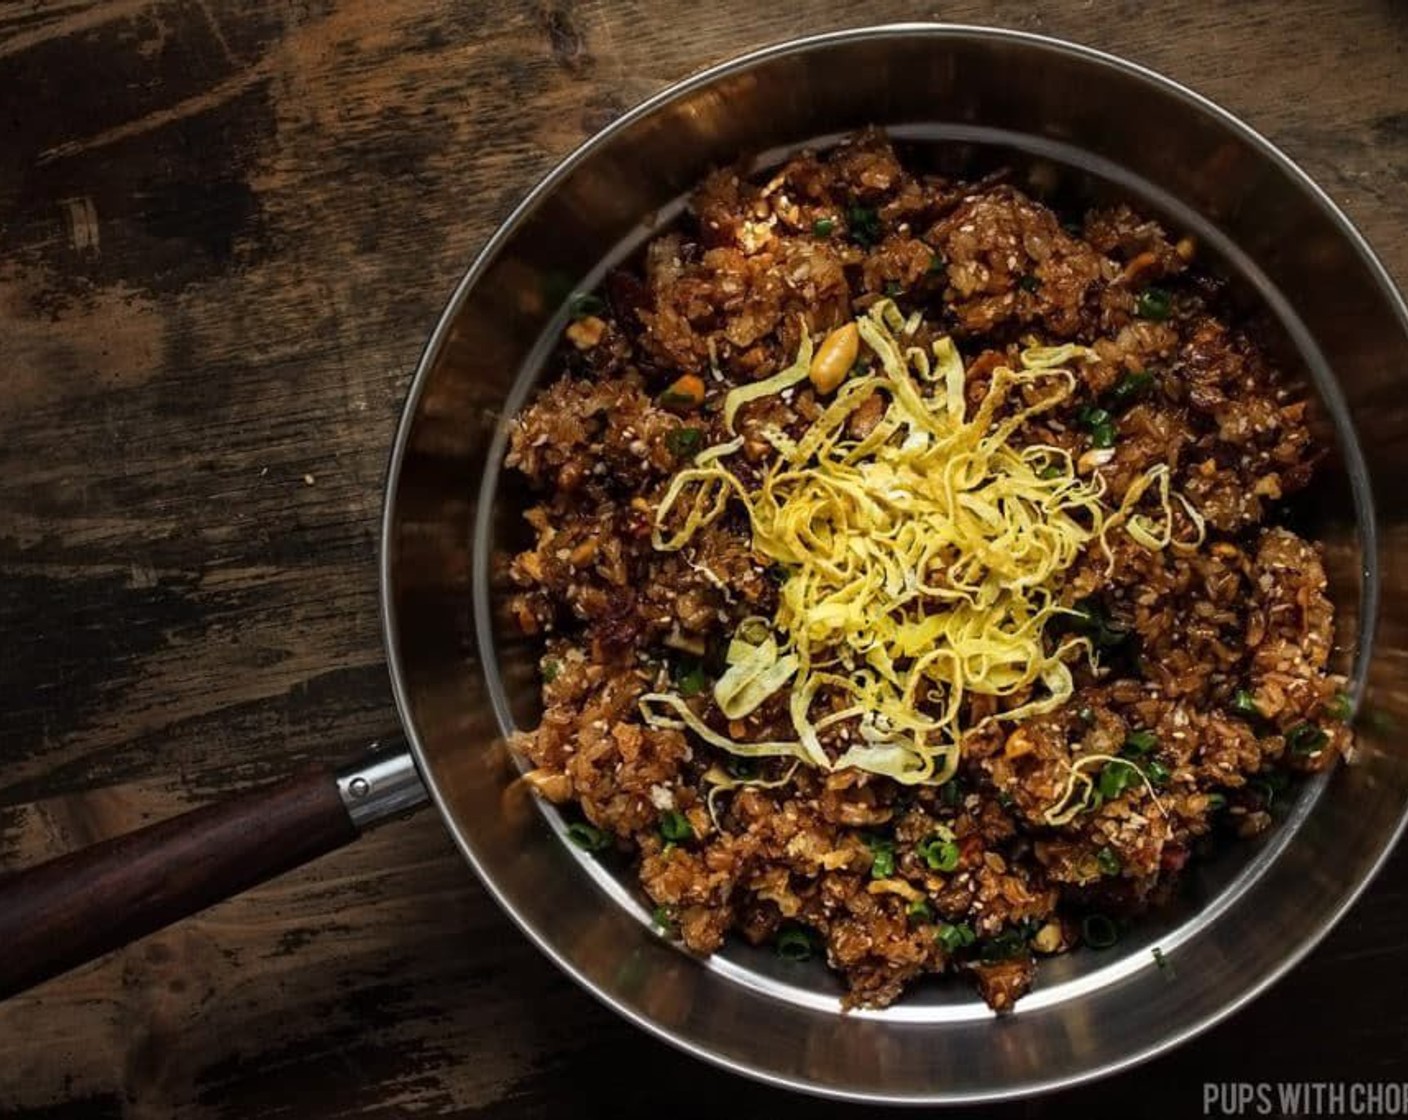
{"x": 586, "y": 332}
{"x": 1018, "y": 743}
{"x": 1096, "y": 457}
{"x": 556, "y": 788}
{"x": 584, "y": 553}
{"x": 1268, "y": 486}
{"x": 834, "y": 358}
{"x": 1051, "y": 938}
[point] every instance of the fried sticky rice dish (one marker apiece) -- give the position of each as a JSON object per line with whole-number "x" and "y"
{"x": 911, "y": 570}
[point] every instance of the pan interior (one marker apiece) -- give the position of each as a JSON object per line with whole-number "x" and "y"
{"x": 1336, "y": 511}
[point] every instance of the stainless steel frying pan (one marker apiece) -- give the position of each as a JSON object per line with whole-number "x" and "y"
{"x": 1067, "y": 120}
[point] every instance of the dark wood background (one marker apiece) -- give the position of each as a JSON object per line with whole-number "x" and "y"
{"x": 225, "y": 230}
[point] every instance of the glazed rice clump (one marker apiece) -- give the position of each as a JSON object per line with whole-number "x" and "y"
{"x": 1199, "y": 670}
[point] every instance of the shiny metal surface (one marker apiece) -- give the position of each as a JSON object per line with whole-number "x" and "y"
{"x": 1094, "y": 126}
{"x": 381, "y": 785}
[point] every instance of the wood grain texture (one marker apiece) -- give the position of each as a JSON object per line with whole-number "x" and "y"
{"x": 71, "y": 910}
{"x": 225, "y": 231}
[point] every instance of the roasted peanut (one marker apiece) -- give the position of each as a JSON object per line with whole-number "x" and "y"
{"x": 531, "y": 565}
{"x": 586, "y": 332}
{"x": 1096, "y": 457}
{"x": 1268, "y": 486}
{"x": 556, "y": 788}
{"x": 1018, "y": 743}
{"x": 1051, "y": 938}
{"x": 835, "y": 357}
{"x": 584, "y": 553}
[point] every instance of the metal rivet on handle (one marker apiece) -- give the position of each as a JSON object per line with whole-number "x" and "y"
{"x": 378, "y": 787}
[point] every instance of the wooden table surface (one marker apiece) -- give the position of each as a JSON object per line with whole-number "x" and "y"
{"x": 225, "y": 231}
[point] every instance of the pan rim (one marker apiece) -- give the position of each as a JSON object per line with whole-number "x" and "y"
{"x": 430, "y": 353}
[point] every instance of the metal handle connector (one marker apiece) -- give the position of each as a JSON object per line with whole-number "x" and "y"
{"x": 381, "y": 785}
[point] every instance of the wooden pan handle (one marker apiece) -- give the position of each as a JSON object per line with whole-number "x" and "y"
{"x": 82, "y": 905}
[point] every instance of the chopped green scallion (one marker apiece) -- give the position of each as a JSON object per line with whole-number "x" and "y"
{"x": 1340, "y": 707}
{"x": 864, "y": 225}
{"x": 587, "y": 837}
{"x": 794, "y": 944}
{"x": 675, "y": 827}
{"x": 1098, "y": 931}
{"x": 1100, "y": 424}
{"x": 1306, "y": 739}
{"x": 1006, "y": 945}
{"x": 1153, "y": 303}
{"x": 683, "y": 442}
{"x": 585, "y": 304}
{"x": 955, "y": 936}
{"x": 1090, "y": 618}
{"x": 690, "y": 679}
{"x": 1244, "y": 705}
{"x": 1131, "y": 387}
{"x": 939, "y": 854}
{"x": 1115, "y": 778}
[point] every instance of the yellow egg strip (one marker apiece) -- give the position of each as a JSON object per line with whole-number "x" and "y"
{"x": 924, "y": 559}
{"x": 1070, "y": 805}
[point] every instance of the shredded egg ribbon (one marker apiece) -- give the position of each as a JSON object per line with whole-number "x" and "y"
{"x": 924, "y": 558}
